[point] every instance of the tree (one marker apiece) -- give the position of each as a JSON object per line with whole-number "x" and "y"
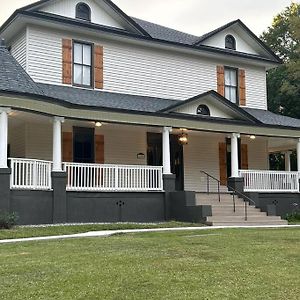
{"x": 284, "y": 82}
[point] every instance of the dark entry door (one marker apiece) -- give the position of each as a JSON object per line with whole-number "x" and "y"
{"x": 83, "y": 145}
{"x": 154, "y": 155}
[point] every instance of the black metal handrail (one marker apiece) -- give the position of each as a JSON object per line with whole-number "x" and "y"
{"x": 232, "y": 190}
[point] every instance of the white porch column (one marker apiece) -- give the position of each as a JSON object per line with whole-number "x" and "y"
{"x": 287, "y": 156}
{"x": 3, "y": 136}
{"x": 166, "y": 151}
{"x": 234, "y": 155}
{"x": 298, "y": 155}
{"x": 57, "y": 145}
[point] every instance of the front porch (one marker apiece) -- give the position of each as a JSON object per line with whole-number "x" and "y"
{"x": 118, "y": 170}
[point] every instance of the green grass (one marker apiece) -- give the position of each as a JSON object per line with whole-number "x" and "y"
{"x": 23, "y": 232}
{"x": 228, "y": 264}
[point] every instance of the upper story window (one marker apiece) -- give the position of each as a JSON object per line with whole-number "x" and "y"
{"x": 83, "y": 12}
{"x": 230, "y": 42}
{"x": 231, "y": 84}
{"x": 203, "y": 110}
{"x": 82, "y": 64}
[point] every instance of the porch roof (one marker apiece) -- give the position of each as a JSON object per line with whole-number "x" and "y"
{"x": 270, "y": 118}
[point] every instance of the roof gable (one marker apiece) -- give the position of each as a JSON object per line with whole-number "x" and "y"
{"x": 103, "y": 12}
{"x": 219, "y": 107}
{"x": 246, "y": 40}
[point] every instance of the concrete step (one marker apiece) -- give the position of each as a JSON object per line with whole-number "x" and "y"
{"x": 242, "y": 218}
{"x": 216, "y": 202}
{"x": 247, "y": 223}
{"x": 239, "y": 214}
{"x": 228, "y": 209}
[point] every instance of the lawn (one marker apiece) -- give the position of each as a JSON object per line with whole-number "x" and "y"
{"x": 29, "y": 231}
{"x": 214, "y": 264}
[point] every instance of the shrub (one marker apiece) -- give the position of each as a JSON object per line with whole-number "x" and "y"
{"x": 294, "y": 217}
{"x": 8, "y": 220}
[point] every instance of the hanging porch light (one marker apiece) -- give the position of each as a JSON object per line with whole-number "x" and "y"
{"x": 183, "y": 138}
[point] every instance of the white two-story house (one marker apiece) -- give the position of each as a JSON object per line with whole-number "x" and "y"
{"x": 106, "y": 117}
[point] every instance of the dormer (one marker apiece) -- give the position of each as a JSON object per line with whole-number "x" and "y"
{"x": 98, "y": 12}
{"x": 236, "y": 37}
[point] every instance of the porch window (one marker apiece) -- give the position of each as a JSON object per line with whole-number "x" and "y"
{"x": 82, "y": 64}
{"x": 231, "y": 84}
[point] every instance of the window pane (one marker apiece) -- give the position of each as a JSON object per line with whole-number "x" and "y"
{"x": 230, "y": 77}
{"x": 86, "y": 76}
{"x": 227, "y": 77}
{"x": 230, "y": 94}
{"x": 87, "y": 59}
{"x": 77, "y": 74}
{"x": 227, "y": 93}
{"x": 77, "y": 53}
{"x": 233, "y": 78}
{"x": 233, "y": 95}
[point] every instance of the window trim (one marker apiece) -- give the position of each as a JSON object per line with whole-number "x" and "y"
{"x": 90, "y": 12}
{"x": 231, "y": 86}
{"x": 234, "y": 40}
{"x": 92, "y": 85}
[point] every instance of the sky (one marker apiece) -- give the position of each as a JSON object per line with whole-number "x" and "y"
{"x": 192, "y": 16}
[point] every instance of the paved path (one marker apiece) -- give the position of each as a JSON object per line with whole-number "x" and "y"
{"x": 107, "y": 233}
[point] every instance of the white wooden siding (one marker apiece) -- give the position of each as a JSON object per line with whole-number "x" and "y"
{"x": 16, "y": 140}
{"x": 39, "y": 141}
{"x": 67, "y": 8}
{"x": 140, "y": 71}
{"x": 19, "y": 48}
{"x": 258, "y": 154}
{"x": 44, "y": 56}
{"x": 202, "y": 153}
{"x": 121, "y": 146}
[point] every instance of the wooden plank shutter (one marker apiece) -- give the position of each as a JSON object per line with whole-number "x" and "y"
{"x": 98, "y": 66}
{"x": 244, "y": 157}
{"x": 221, "y": 80}
{"x": 223, "y": 163}
{"x": 67, "y": 146}
{"x": 67, "y": 61}
{"x": 242, "y": 87}
{"x": 99, "y": 149}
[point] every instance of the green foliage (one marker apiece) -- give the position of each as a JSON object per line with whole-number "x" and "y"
{"x": 7, "y": 220}
{"x": 283, "y": 83}
{"x": 294, "y": 217}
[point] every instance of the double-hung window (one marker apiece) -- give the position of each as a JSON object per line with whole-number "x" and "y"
{"x": 231, "y": 84}
{"x": 82, "y": 64}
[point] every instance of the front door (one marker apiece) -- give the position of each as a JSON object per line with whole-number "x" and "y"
{"x": 83, "y": 145}
{"x": 154, "y": 156}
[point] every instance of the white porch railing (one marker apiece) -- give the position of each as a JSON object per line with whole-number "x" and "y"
{"x": 28, "y": 174}
{"x": 93, "y": 177}
{"x": 270, "y": 181}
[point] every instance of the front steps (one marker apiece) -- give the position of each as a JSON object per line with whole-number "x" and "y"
{"x": 223, "y": 213}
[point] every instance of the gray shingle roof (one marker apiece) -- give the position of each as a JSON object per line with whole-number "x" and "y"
{"x": 270, "y": 118}
{"x": 13, "y": 77}
{"x": 168, "y": 34}
{"x": 105, "y": 99}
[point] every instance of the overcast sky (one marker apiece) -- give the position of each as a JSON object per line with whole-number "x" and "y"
{"x": 192, "y": 16}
